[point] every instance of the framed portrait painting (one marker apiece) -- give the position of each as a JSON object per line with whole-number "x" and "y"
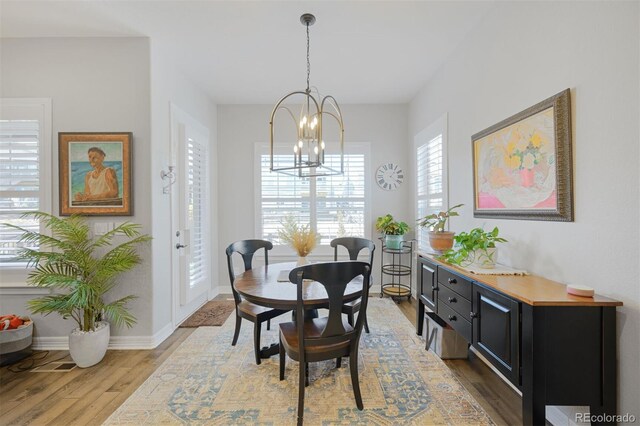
{"x": 95, "y": 174}
{"x": 522, "y": 166}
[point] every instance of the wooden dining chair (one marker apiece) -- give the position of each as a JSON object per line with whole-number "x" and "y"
{"x": 244, "y": 309}
{"x": 331, "y": 337}
{"x": 354, "y": 246}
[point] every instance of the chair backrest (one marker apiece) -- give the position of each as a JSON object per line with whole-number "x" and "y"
{"x": 354, "y": 245}
{"x": 246, "y": 248}
{"x": 334, "y": 276}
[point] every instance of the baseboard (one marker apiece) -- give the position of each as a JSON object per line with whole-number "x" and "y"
{"x": 61, "y": 343}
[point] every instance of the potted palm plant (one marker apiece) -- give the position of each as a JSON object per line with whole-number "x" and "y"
{"x": 393, "y": 231}
{"x": 439, "y": 239}
{"x": 68, "y": 261}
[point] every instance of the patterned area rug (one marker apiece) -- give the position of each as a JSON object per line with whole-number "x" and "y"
{"x": 214, "y": 312}
{"x": 208, "y": 381}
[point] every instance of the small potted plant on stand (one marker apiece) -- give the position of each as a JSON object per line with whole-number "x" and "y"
{"x": 476, "y": 246}
{"x": 393, "y": 231}
{"x": 439, "y": 239}
{"x": 83, "y": 277}
{"x": 300, "y": 237}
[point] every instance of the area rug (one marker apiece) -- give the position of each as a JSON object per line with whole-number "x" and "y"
{"x": 206, "y": 381}
{"x": 214, "y": 312}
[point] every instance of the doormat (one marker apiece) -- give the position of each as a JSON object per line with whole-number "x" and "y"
{"x": 214, "y": 313}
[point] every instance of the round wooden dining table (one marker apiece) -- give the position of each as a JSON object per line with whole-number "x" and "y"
{"x": 261, "y": 286}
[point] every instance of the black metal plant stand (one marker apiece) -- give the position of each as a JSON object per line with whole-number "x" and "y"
{"x": 393, "y": 275}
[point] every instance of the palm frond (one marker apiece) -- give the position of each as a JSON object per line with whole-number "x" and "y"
{"x": 118, "y": 314}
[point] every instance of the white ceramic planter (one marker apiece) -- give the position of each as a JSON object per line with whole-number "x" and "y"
{"x": 486, "y": 258}
{"x": 88, "y": 348}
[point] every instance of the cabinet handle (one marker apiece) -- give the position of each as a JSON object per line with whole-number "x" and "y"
{"x": 452, "y": 318}
{"x": 452, "y": 300}
{"x": 473, "y": 315}
{"x": 435, "y": 288}
{"x": 452, "y": 281}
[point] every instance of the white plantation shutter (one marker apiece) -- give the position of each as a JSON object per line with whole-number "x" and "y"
{"x": 431, "y": 190}
{"x": 25, "y": 147}
{"x": 340, "y": 200}
{"x": 196, "y": 209}
{"x": 334, "y": 206}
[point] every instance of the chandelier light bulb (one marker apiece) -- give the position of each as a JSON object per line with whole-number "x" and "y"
{"x": 300, "y": 143}
{"x": 322, "y": 145}
{"x": 315, "y": 150}
{"x": 295, "y": 149}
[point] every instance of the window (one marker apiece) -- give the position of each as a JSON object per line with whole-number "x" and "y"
{"x": 431, "y": 177}
{"x": 334, "y": 206}
{"x": 25, "y": 175}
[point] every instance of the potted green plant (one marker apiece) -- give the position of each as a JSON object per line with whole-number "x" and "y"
{"x": 439, "y": 239}
{"x": 393, "y": 231}
{"x": 68, "y": 261}
{"x": 476, "y": 246}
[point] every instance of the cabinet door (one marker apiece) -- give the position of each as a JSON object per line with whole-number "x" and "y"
{"x": 496, "y": 330}
{"x": 428, "y": 283}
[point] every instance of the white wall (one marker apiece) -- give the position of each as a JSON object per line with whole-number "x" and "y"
{"x": 168, "y": 85}
{"x": 96, "y": 85}
{"x": 521, "y": 54}
{"x": 240, "y": 127}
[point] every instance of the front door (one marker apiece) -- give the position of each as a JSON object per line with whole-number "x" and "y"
{"x": 190, "y": 214}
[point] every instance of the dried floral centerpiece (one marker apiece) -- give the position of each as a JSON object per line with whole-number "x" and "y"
{"x": 300, "y": 237}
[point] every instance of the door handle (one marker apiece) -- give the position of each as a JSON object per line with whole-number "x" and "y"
{"x": 179, "y": 246}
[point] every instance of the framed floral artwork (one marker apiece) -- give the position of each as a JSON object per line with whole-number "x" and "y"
{"x": 522, "y": 166}
{"x": 95, "y": 174}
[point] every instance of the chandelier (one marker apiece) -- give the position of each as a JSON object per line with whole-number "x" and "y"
{"x": 308, "y": 156}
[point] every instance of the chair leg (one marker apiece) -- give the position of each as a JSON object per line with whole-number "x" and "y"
{"x": 283, "y": 360}
{"x": 366, "y": 324}
{"x": 306, "y": 374}
{"x": 301, "y": 384}
{"x": 339, "y": 362}
{"x": 350, "y": 319}
{"x": 353, "y": 366}
{"x": 237, "y": 332}
{"x": 256, "y": 340}
{"x": 269, "y": 324}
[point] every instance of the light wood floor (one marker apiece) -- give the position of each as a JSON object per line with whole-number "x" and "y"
{"x": 88, "y": 396}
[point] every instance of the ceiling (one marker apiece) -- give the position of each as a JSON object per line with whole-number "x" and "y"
{"x": 241, "y": 52}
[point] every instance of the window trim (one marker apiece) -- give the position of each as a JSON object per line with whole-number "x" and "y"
{"x": 437, "y": 127}
{"x": 15, "y": 275}
{"x": 321, "y": 251}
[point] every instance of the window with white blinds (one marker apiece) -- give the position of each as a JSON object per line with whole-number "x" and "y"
{"x": 196, "y": 210}
{"x": 334, "y": 206}
{"x": 25, "y": 178}
{"x": 431, "y": 190}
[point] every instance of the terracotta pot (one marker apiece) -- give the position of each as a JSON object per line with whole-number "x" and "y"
{"x": 441, "y": 241}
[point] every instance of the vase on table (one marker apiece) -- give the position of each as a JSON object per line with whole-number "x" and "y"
{"x": 302, "y": 260}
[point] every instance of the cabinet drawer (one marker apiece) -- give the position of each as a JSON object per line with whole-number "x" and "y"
{"x": 455, "y": 302}
{"x": 453, "y": 318}
{"x": 455, "y": 282}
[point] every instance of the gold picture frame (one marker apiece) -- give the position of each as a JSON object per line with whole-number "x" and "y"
{"x": 95, "y": 173}
{"x": 522, "y": 166}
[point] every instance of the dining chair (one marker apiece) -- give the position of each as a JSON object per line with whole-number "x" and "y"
{"x": 354, "y": 245}
{"x": 330, "y": 337}
{"x": 244, "y": 309}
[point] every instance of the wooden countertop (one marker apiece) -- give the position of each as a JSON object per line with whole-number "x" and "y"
{"x": 530, "y": 289}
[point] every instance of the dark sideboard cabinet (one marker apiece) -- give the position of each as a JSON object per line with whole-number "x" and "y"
{"x": 557, "y": 349}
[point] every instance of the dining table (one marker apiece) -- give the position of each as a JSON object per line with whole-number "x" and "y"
{"x": 261, "y": 285}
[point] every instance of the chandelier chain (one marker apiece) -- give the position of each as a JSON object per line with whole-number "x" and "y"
{"x": 308, "y": 61}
